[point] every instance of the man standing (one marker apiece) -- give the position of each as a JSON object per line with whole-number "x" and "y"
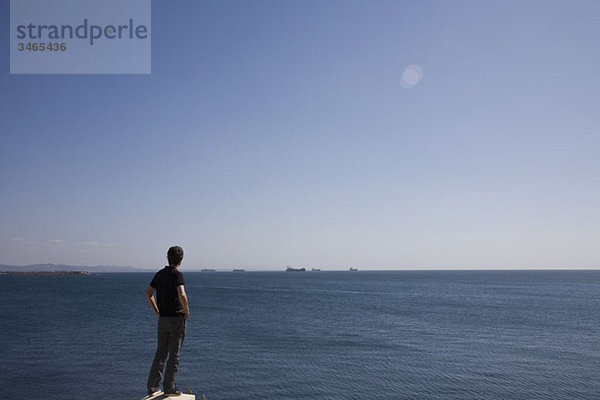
{"x": 173, "y": 311}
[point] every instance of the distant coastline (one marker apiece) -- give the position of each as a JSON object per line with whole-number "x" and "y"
{"x": 45, "y": 273}
{"x": 55, "y": 268}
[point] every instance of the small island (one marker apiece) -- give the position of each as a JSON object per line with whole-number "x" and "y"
{"x": 290, "y": 269}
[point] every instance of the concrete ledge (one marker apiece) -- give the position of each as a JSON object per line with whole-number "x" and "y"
{"x": 163, "y": 397}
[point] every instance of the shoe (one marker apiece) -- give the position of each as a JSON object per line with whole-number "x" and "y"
{"x": 153, "y": 393}
{"x": 173, "y": 393}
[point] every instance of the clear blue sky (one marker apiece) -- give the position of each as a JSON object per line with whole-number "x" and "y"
{"x": 279, "y": 132}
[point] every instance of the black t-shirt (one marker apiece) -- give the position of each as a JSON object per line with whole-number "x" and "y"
{"x": 165, "y": 282}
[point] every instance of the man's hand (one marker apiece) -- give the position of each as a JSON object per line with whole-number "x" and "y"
{"x": 150, "y": 298}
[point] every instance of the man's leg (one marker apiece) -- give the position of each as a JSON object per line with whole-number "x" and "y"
{"x": 176, "y": 336}
{"x": 160, "y": 356}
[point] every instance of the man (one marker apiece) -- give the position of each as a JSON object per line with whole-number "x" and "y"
{"x": 173, "y": 310}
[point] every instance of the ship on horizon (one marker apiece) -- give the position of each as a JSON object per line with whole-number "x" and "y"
{"x": 290, "y": 269}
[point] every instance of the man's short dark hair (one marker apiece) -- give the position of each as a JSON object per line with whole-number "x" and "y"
{"x": 175, "y": 255}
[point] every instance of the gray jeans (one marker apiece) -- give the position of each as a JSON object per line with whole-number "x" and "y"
{"x": 171, "y": 332}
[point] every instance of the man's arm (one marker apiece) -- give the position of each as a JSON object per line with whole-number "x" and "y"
{"x": 150, "y": 298}
{"x": 183, "y": 299}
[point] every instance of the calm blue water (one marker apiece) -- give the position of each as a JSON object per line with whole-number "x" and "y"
{"x": 323, "y": 335}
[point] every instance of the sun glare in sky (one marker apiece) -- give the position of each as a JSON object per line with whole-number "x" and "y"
{"x": 411, "y": 76}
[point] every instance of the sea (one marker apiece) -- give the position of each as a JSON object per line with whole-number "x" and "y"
{"x": 431, "y": 335}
